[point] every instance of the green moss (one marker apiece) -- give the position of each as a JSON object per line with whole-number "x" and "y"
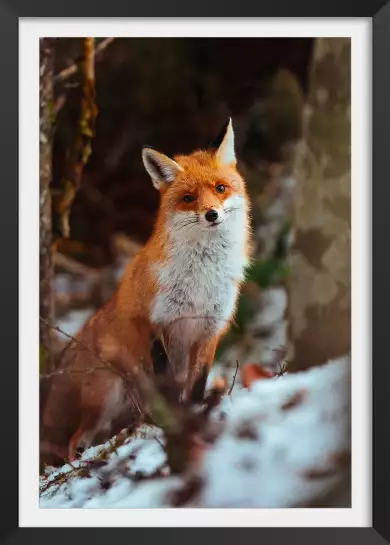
{"x": 42, "y": 358}
{"x": 52, "y": 112}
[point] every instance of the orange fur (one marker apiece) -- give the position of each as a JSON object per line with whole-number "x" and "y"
{"x": 81, "y": 405}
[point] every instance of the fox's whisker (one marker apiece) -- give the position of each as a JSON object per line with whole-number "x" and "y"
{"x": 188, "y": 223}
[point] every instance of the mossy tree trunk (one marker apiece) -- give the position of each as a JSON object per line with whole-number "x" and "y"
{"x": 45, "y": 216}
{"x": 320, "y": 280}
{"x": 82, "y": 146}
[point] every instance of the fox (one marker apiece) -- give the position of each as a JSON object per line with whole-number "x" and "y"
{"x": 181, "y": 289}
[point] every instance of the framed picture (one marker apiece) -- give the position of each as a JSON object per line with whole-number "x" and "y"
{"x": 265, "y": 429}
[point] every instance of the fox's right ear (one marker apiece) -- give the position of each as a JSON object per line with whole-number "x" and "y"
{"x": 162, "y": 169}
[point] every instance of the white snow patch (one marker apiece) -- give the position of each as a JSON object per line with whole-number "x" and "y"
{"x": 274, "y": 302}
{"x": 281, "y": 447}
{"x": 266, "y": 452}
{"x": 73, "y": 321}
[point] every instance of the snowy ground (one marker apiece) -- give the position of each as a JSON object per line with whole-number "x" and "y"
{"x": 283, "y": 443}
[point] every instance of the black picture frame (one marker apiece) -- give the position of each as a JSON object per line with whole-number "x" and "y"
{"x": 10, "y": 12}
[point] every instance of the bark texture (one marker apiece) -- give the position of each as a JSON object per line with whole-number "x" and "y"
{"x": 83, "y": 143}
{"x": 45, "y": 216}
{"x": 320, "y": 269}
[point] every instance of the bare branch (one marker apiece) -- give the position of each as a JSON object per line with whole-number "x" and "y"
{"x": 234, "y": 378}
{"x": 282, "y": 368}
{"x": 181, "y": 426}
{"x": 158, "y": 441}
{"x": 71, "y": 70}
{"x": 76, "y": 267}
{"x": 106, "y": 364}
{"x": 74, "y": 371}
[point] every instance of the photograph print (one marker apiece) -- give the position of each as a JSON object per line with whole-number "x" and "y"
{"x": 195, "y": 273}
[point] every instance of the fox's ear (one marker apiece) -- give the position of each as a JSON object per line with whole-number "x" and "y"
{"x": 225, "y": 153}
{"x": 162, "y": 169}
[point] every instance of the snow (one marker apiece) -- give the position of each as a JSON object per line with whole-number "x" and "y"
{"x": 272, "y": 467}
{"x": 149, "y": 495}
{"x": 66, "y": 283}
{"x": 73, "y": 321}
{"x": 274, "y": 303}
{"x": 270, "y": 320}
{"x": 140, "y": 456}
{"x": 120, "y": 268}
{"x": 266, "y": 335}
{"x": 283, "y": 443}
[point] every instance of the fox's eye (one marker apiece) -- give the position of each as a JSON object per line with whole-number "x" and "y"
{"x": 220, "y": 188}
{"x": 188, "y": 198}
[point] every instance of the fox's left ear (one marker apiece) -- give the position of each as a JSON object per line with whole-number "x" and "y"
{"x": 161, "y": 168}
{"x": 224, "y": 145}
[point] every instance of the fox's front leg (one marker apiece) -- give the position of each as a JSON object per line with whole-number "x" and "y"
{"x": 202, "y": 358}
{"x": 189, "y": 362}
{"x": 177, "y": 348}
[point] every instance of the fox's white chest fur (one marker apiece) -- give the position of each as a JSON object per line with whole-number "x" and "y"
{"x": 199, "y": 282}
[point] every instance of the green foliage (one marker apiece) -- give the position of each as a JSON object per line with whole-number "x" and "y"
{"x": 266, "y": 272}
{"x": 246, "y": 309}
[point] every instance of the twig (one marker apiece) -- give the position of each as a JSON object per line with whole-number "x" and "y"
{"x": 158, "y": 405}
{"x": 281, "y": 353}
{"x": 125, "y": 245}
{"x": 158, "y": 441}
{"x": 234, "y": 378}
{"x": 178, "y": 422}
{"x": 83, "y": 143}
{"x": 283, "y": 369}
{"x": 113, "y": 447}
{"x": 70, "y": 70}
{"x": 106, "y": 363}
{"x": 59, "y": 104}
{"x": 71, "y": 265}
{"x": 75, "y": 371}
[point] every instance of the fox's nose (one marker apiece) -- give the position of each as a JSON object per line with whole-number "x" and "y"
{"x": 211, "y": 215}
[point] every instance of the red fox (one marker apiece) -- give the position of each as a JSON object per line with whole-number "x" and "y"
{"x": 181, "y": 288}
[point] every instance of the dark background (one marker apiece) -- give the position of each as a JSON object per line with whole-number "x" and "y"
{"x": 173, "y": 94}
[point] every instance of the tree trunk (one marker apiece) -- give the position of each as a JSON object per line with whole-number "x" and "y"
{"x": 45, "y": 219}
{"x": 319, "y": 304}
